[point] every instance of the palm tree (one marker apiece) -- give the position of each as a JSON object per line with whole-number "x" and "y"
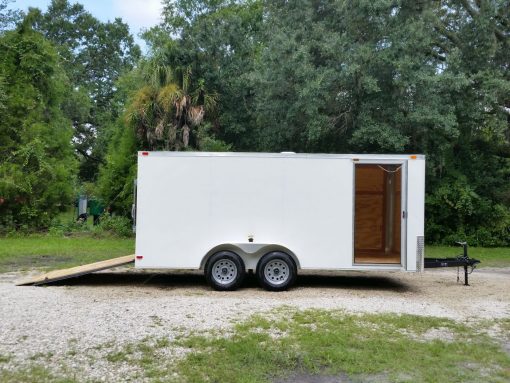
{"x": 165, "y": 111}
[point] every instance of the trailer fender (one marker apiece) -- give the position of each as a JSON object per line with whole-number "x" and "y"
{"x": 250, "y": 253}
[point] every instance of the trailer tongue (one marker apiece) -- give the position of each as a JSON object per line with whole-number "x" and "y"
{"x": 462, "y": 260}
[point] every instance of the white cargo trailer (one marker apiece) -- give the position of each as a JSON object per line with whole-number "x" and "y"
{"x": 277, "y": 214}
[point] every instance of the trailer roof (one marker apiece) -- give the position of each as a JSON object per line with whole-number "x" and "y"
{"x": 283, "y": 154}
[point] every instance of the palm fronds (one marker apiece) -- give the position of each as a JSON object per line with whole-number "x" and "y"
{"x": 165, "y": 114}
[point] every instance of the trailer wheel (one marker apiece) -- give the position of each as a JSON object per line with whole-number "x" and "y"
{"x": 276, "y": 271}
{"x": 225, "y": 271}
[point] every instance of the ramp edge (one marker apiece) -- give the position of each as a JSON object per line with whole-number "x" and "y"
{"x": 76, "y": 271}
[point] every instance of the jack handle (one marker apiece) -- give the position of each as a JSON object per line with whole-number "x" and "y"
{"x": 465, "y": 248}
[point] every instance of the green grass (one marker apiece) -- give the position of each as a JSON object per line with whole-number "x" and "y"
{"x": 4, "y": 358}
{"x": 490, "y": 257}
{"x": 47, "y": 252}
{"x": 33, "y": 374}
{"x": 383, "y": 348}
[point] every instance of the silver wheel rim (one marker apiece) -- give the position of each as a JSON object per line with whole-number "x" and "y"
{"x": 224, "y": 271}
{"x": 277, "y": 272}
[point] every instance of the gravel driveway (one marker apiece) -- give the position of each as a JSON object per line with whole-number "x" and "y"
{"x": 127, "y": 305}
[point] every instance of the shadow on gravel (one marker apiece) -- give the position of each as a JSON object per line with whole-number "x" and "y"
{"x": 356, "y": 282}
{"x": 197, "y": 280}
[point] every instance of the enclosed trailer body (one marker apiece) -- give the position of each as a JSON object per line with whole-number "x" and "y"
{"x": 324, "y": 211}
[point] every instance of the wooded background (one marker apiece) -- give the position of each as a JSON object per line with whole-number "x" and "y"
{"x": 78, "y": 98}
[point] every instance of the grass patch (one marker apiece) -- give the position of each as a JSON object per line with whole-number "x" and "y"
{"x": 330, "y": 343}
{"x": 490, "y": 257}
{"x": 334, "y": 343}
{"x": 118, "y": 356}
{"x": 505, "y": 325}
{"x": 33, "y": 374}
{"x": 290, "y": 343}
{"x": 147, "y": 354}
{"x": 47, "y": 252}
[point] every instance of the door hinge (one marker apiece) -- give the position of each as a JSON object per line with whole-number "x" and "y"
{"x": 404, "y": 214}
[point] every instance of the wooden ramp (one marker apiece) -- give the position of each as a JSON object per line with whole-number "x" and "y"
{"x": 72, "y": 272}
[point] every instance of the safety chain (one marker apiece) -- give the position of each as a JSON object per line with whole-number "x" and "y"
{"x": 389, "y": 171}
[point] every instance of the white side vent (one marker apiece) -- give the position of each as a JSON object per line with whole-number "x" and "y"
{"x": 420, "y": 252}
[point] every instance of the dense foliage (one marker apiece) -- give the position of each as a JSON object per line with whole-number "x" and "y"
{"x": 37, "y": 166}
{"x": 375, "y": 76}
{"x": 93, "y": 54}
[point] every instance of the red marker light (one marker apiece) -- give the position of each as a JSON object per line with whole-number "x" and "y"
{"x": 139, "y": 256}
{"x": 145, "y": 153}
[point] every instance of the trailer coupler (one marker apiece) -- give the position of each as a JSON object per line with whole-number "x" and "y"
{"x": 462, "y": 260}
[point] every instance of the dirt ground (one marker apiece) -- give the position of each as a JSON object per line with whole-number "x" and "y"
{"x": 127, "y": 305}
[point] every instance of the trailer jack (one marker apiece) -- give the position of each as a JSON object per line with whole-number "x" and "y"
{"x": 462, "y": 260}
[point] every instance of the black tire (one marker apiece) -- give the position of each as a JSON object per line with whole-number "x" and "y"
{"x": 276, "y": 271}
{"x": 225, "y": 271}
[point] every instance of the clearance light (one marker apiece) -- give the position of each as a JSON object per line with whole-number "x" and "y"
{"x": 145, "y": 153}
{"x": 413, "y": 157}
{"x": 139, "y": 256}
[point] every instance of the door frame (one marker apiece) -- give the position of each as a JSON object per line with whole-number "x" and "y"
{"x": 403, "y": 208}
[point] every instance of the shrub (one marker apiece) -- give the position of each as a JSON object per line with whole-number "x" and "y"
{"x": 454, "y": 211}
{"x": 108, "y": 226}
{"x": 115, "y": 225}
{"x": 59, "y": 227}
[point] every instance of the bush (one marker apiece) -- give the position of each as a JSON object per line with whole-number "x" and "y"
{"x": 118, "y": 226}
{"x": 455, "y": 212}
{"x": 114, "y": 225}
{"x": 116, "y": 178}
{"x": 59, "y": 227}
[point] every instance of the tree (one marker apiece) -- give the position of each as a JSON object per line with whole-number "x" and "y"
{"x": 220, "y": 41}
{"x": 117, "y": 175}
{"x": 8, "y": 17}
{"x": 166, "y": 113}
{"x": 469, "y": 187}
{"x": 93, "y": 54}
{"x": 37, "y": 165}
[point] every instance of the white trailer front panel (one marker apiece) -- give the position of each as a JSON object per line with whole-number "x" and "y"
{"x": 189, "y": 204}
